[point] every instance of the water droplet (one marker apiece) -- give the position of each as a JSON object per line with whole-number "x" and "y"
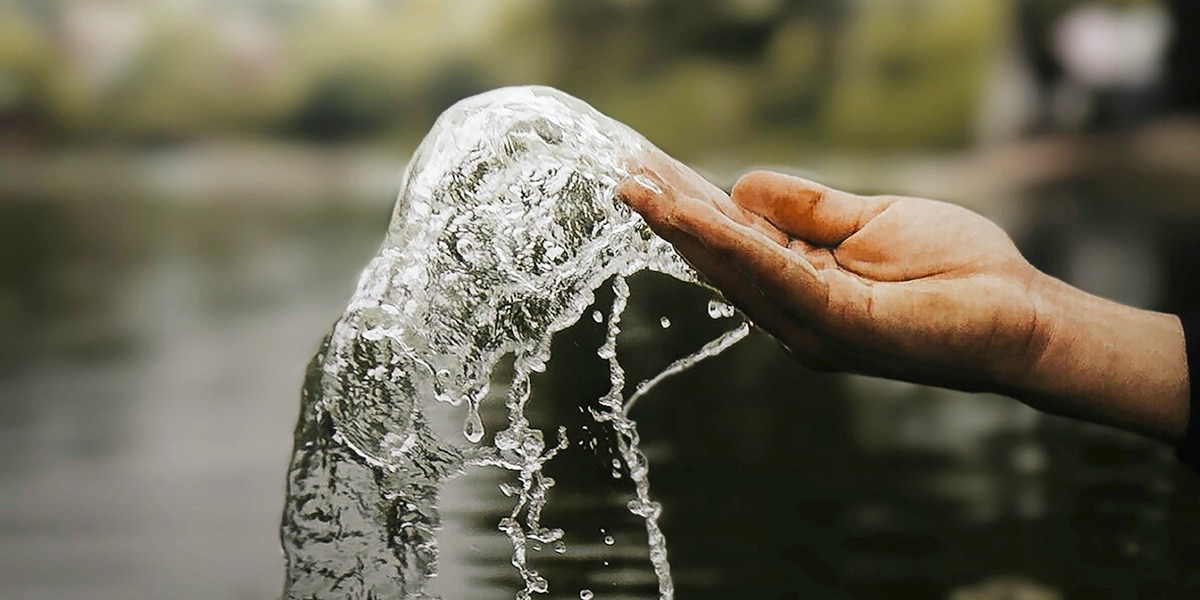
{"x": 466, "y": 247}
{"x": 616, "y": 463}
{"x": 718, "y": 309}
{"x": 665, "y": 322}
{"x": 506, "y": 440}
{"x": 585, "y": 594}
{"x": 608, "y": 540}
{"x": 473, "y": 427}
{"x": 533, "y": 443}
{"x": 606, "y": 563}
{"x": 597, "y": 316}
{"x": 560, "y": 547}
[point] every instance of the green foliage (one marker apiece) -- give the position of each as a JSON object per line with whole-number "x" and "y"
{"x": 910, "y": 72}
{"x": 694, "y": 76}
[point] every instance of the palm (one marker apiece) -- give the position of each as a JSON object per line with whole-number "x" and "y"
{"x": 929, "y": 283}
{"x": 892, "y": 286}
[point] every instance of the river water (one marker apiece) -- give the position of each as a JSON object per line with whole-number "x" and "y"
{"x": 152, "y": 361}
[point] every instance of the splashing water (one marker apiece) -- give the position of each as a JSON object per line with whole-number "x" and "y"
{"x": 719, "y": 310}
{"x": 505, "y": 227}
{"x": 709, "y": 350}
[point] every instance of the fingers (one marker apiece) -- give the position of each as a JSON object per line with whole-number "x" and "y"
{"x": 662, "y": 211}
{"x": 648, "y": 197}
{"x": 796, "y": 336}
{"x": 695, "y": 225}
{"x": 803, "y": 209}
{"x": 670, "y": 178}
{"x": 733, "y": 250}
{"x": 778, "y": 272}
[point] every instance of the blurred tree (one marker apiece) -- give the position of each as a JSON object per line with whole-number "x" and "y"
{"x": 346, "y": 105}
{"x": 21, "y": 86}
{"x": 910, "y": 72}
{"x": 225, "y": 72}
{"x": 695, "y": 75}
{"x": 1183, "y": 67}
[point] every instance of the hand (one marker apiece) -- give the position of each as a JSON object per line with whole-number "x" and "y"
{"x": 900, "y": 287}
{"x": 909, "y": 289}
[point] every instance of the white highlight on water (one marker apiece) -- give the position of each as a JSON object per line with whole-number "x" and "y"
{"x": 719, "y": 310}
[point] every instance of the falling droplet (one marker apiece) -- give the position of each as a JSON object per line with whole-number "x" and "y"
{"x": 560, "y": 547}
{"x": 597, "y": 317}
{"x": 718, "y": 309}
{"x": 665, "y": 322}
{"x": 473, "y": 428}
{"x": 585, "y": 594}
{"x": 608, "y": 540}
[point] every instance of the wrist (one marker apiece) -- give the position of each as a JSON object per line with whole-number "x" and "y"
{"x": 1104, "y": 362}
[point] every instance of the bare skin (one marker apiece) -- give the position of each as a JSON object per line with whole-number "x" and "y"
{"x": 917, "y": 290}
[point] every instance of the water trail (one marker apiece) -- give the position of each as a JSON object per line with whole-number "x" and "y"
{"x": 627, "y": 443}
{"x": 709, "y": 350}
{"x": 505, "y": 226}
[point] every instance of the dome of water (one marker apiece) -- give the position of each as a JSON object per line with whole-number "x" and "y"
{"x": 505, "y": 226}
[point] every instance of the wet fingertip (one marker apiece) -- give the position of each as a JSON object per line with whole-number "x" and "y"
{"x": 638, "y": 190}
{"x": 648, "y": 183}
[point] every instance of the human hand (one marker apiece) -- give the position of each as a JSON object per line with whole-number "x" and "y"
{"x": 901, "y": 287}
{"x": 918, "y": 290}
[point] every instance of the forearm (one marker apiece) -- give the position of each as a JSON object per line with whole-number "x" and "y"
{"x": 1108, "y": 363}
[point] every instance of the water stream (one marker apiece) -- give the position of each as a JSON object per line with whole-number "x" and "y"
{"x": 505, "y": 228}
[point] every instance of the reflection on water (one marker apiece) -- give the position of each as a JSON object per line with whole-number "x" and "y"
{"x": 149, "y": 393}
{"x": 149, "y": 390}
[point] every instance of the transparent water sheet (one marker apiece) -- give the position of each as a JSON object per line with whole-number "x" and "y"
{"x": 505, "y": 226}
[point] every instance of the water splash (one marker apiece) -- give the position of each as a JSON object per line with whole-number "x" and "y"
{"x": 709, "y": 350}
{"x": 505, "y": 226}
{"x": 719, "y": 310}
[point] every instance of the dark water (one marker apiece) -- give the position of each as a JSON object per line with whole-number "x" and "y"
{"x": 151, "y": 365}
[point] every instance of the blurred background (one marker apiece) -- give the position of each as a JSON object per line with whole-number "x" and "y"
{"x": 189, "y": 188}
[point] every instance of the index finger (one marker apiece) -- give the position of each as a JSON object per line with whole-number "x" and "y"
{"x": 658, "y": 181}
